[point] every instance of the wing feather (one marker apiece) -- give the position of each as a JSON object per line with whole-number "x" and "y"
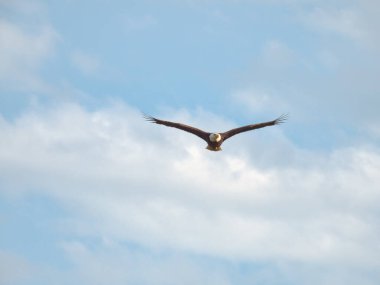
{"x": 203, "y": 135}
{"x": 247, "y": 128}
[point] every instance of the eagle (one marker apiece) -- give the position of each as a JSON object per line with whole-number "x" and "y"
{"x": 215, "y": 140}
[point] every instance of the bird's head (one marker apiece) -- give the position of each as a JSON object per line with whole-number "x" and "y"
{"x": 215, "y": 137}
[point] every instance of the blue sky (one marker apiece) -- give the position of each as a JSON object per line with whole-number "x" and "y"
{"x": 90, "y": 193}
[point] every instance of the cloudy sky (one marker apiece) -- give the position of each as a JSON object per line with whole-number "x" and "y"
{"x": 90, "y": 193}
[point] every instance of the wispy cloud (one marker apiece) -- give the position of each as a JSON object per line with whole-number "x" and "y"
{"x": 256, "y": 101}
{"x": 345, "y": 22}
{"x": 122, "y": 265}
{"x": 86, "y": 63}
{"x": 22, "y": 53}
{"x": 277, "y": 54}
{"x": 24, "y": 7}
{"x": 138, "y": 23}
{"x": 14, "y": 269}
{"x": 355, "y": 21}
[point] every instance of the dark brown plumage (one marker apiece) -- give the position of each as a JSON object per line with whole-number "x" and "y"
{"x": 215, "y": 140}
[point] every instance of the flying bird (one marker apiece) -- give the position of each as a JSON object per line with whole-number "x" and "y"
{"x": 215, "y": 140}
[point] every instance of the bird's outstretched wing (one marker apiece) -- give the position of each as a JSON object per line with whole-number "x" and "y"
{"x": 186, "y": 128}
{"x": 247, "y": 128}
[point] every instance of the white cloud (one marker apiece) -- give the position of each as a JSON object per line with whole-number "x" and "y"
{"x": 277, "y": 54}
{"x": 120, "y": 265}
{"x": 327, "y": 83}
{"x": 24, "y": 7}
{"x": 22, "y": 53}
{"x": 342, "y": 21}
{"x": 14, "y": 269}
{"x": 123, "y": 180}
{"x": 355, "y": 20}
{"x": 257, "y": 101}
